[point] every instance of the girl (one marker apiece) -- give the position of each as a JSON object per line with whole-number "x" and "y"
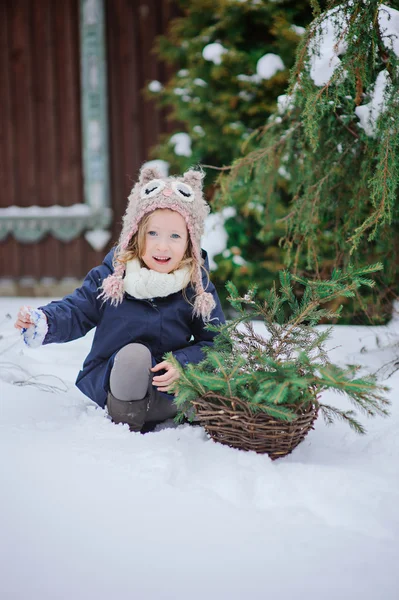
{"x": 150, "y": 296}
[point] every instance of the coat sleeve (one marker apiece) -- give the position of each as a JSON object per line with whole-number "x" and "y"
{"x": 202, "y": 337}
{"x": 73, "y": 316}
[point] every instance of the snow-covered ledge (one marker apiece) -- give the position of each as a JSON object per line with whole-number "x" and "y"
{"x": 30, "y": 224}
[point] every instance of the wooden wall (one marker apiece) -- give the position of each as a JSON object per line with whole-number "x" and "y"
{"x": 40, "y": 122}
{"x": 40, "y": 147}
{"x": 135, "y": 123}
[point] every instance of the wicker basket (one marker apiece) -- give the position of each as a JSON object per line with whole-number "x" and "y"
{"x": 230, "y": 421}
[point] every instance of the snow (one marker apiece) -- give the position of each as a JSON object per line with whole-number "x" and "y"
{"x": 284, "y": 102}
{"x": 268, "y": 65}
{"x": 199, "y": 130}
{"x": 215, "y": 237}
{"x": 239, "y": 260}
{"x": 246, "y": 96}
{"x": 327, "y": 45}
{"x": 42, "y": 212}
{"x": 90, "y": 510}
{"x": 180, "y": 91}
{"x": 283, "y": 172}
{"x": 251, "y": 78}
{"x": 200, "y": 82}
{"x": 369, "y": 113}
{"x": 182, "y": 144}
{"x": 388, "y": 19}
{"x": 214, "y": 52}
{"x": 298, "y": 29}
{"x": 155, "y": 86}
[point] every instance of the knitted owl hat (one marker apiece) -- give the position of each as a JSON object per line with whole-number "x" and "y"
{"x": 151, "y": 192}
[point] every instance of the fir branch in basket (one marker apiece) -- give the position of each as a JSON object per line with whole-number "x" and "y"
{"x": 285, "y": 371}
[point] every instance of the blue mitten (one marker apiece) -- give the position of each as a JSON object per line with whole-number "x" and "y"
{"x": 34, "y": 335}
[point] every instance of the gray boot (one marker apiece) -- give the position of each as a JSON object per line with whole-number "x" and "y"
{"x": 132, "y": 412}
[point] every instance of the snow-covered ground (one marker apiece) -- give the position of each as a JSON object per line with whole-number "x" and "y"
{"x": 89, "y": 510}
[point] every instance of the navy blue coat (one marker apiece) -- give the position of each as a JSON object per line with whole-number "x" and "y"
{"x": 161, "y": 324}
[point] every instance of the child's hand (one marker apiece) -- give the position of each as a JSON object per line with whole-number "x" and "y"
{"x": 164, "y": 381}
{"x": 24, "y": 319}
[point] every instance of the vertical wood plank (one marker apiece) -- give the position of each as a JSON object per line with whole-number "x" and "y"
{"x": 73, "y": 257}
{"x": 44, "y": 102}
{"x": 7, "y": 188}
{"x": 19, "y": 14}
{"x": 21, "y": 85}
{"x": 150, "y": 21}
{"x": 67, "y": 94}
{"x": 111, "y": 36}
{"x": 31, "y": 255}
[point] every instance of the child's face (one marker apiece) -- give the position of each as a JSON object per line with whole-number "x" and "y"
{"x": 165, "y": 241}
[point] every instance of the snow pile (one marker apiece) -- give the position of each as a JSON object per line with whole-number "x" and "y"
{"x": 180, "y": 91}
{"x": 388, "y": 19}
{"x": 251, "y": 78}
{"x": 326, "y": 46}
{"x": 199, "y": 130}
{"x": 269, "y": 65}
{"x": 155, "y": 86}
{"x": 182, "y": 144}
{"x": 298, "y": 29}
{"x": 266, "y": 68}
{"x": 284, "y": 102}
{"x": 214, "y": 52}
{"x": 215, "y": 237}
{"x": 200, "y": 82}
{"x": 369, "y": 113}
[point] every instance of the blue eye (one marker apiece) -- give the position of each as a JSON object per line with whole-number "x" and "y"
{"x": 175, "y": 236}
{"x": 152, "y": 233}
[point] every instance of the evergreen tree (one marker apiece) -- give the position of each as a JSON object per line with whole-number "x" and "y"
{"x": 230, "y": 60}
{"x": 321, "y": 187}
{"x": 287, "y": 369}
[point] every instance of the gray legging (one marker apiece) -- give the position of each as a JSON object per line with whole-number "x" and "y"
{"x": 132, "y": 398}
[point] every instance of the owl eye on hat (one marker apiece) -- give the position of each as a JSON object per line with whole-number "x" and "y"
{"x": 152, "y": 192}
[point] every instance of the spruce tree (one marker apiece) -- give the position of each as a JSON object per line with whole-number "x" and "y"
{"x": 321, "y": 187}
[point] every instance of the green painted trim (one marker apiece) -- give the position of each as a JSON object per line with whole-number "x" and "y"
{"x": 94, "y": 104}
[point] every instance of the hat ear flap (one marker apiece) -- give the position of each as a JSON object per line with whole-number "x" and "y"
{"x": 147, "y": 174}
{"x": 194, "y": 178}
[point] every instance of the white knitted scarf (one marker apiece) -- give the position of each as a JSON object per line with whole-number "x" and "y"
{"x": 145, "y": 283}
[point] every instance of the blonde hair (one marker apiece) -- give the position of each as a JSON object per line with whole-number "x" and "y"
{"x": 136, "y": 249}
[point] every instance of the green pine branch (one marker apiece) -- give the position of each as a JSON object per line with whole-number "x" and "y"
{"x": 288, "y": 369}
